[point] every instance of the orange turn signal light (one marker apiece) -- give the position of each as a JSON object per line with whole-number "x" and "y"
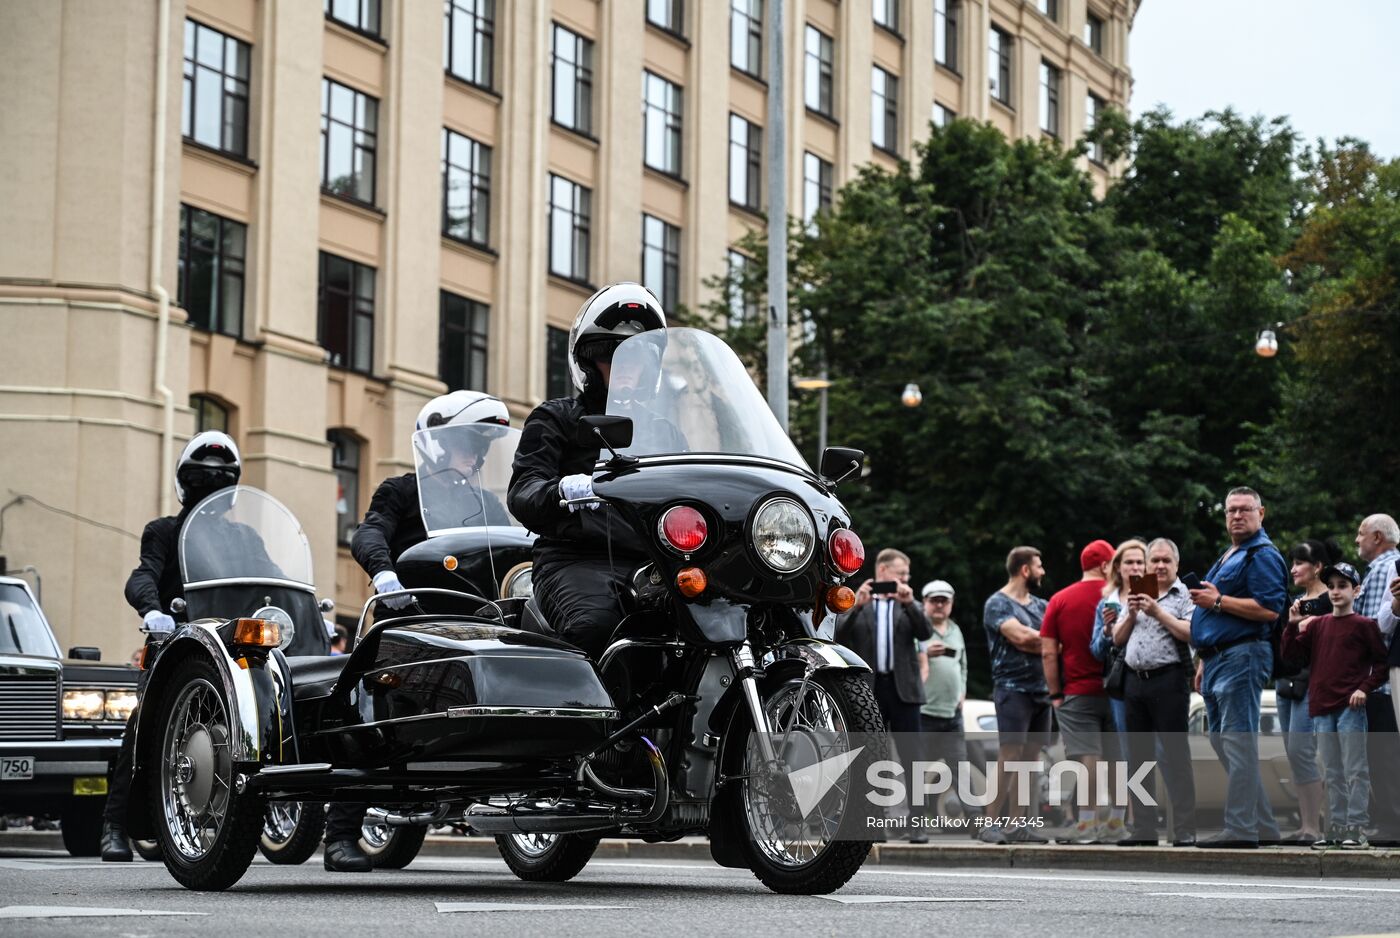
{"x": 840, "y": 598}
{"x": 691, "y": 581}
{"x": 449, "y": 563}
{"x": 257, "y": 632}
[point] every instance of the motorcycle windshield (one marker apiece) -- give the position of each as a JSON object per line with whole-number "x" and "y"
{"x": 463, "y": 475}
{"x": 687, "y": 392}
{"x": 243, "y": 533}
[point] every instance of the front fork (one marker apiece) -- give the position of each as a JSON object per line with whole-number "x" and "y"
{"x": 747, "y": 673}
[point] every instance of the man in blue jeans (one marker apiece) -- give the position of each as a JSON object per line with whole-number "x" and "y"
{"x": 1236, "y": 605}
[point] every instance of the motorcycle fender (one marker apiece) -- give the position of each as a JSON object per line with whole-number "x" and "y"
{"x": 811, "y": 653}
{"x": 720, "y": 621}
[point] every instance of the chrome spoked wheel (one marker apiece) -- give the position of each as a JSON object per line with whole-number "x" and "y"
{"x": 196, "y": 770}
{"x": 534, "y": 845}
{"x": 376, "y": 836}
{"x": 280, "y": 822}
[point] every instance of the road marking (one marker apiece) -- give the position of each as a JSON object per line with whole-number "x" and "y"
{"x": 1244, "y": 895}
{"x": 866, "y": 900}
{"x": 77, "y": 911}
{"x": 521, "y": 907}
{"x": 36, "y": 863}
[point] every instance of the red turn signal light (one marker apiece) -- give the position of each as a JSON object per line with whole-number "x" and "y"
{"x": 257, "y": 632}
{"x": 840, "y": 598}
{"x": 846, "y": 551}
{"x": 691, "y": 581}
{"x": 684, "y": 528}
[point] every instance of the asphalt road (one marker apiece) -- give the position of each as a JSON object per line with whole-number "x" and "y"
{"x": 470, "y": 896}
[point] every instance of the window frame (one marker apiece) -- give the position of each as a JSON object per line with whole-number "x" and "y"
{"x": 1050, "y": 9}
{"x": 1093, "y": 105}
{"x": 674, "y": 23}
{"x": 580, "y": 216}
{"x": 740, "y": 301}
{"x": 1051, "y": 88}
{"x": 359, "y": 307}
{"x": 822, "y": 186}
{"x": 483, "y": 31}
{"x": 884, "y": 110}
{"x": 358, "y": 134}
{"x": 1000, "y": 91}
{"x": 478, "y": 181}
{"x": 943, "y": 115}
{"x": 202, "y": 404}
{"x": 946, "y": 15}
{"x": 672, "y": 122}
{"x": 223, "y": 272}
{"x": 752, "y": 36}
{"x": 752, "y": 161}
{"x": 342, "y": 441}
{"x": 891, "y": 12}
{"x": 1094, "y": 32}
{"x": 668, "y": 255}
{"x": 473, "y": 332}
{"x": 581, "y": 85}
{"x": 821, "y": 66}
{"x": 233, "y": 132}
{"x": 375, "y": 32}
{"x": 558, "y": 375}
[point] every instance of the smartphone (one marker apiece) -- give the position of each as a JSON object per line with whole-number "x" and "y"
{"x": 884, "y": 586}
{"x": 1143, "y": 585}
{"x": 949, "y": 652}
{"x": 1192, "y": 581}
{"x": 1397, "y": 566}
{"x": 1315, "y": 607}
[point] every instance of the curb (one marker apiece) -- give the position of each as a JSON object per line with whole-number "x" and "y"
{"x": 1269, "y": 861}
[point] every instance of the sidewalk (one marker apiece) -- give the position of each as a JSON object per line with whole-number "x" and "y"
{"x": 1269, "y": 861}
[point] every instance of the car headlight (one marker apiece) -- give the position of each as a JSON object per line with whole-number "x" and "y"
{"x": 119, "y": 704}
{"x": 83, "y": 703}
{"x": 519, "y": 582}
{"x": 783, "y": 535}
{"x": 284, "y": 622}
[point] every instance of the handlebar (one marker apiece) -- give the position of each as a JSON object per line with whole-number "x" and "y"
{"x": 378, "y": 597}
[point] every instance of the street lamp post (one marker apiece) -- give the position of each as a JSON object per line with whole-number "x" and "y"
{"x": 777, "y": 220}
{"x": 820, "y": 384}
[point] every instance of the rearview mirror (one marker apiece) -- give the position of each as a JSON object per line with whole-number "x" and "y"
{"x": 85, "y": 653}
{"x": 840, "y": 463}
{"x": 609, "y": 430}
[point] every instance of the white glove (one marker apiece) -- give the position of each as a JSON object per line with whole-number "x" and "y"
{"x": 157, "y": 621}
{"x": 386, "y": 581}
{"x": 577, "y": 486}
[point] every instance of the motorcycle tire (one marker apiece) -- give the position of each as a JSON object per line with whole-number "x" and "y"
{"x": 226, "y": 858}
{"x": 81, "y": 826}
{"x": 396, "y": 850}
{"x": 296, "y": 847}
{"x": 147, "y": 850}
{"x": 838, "y": 860}
{"x": 548, "y": 858}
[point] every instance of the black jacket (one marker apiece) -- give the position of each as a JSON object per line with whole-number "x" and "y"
{"x": 392, "y": 525}
{"x": 156, "y": 581}
{"x": 856, "y": 630}
{"x": 546, "y": 454}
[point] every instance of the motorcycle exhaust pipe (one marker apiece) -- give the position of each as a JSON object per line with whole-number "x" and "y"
{"x": 418, "y": 818}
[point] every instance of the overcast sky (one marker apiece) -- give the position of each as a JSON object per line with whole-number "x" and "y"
{"x": 1331, "y": 66}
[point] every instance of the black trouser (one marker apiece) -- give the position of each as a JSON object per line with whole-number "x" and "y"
{"x": 1158, "y": 703}
{"x": 900, "y": 717}
{"x": 583, "y": 600}
{"x": 344, "y": 820}
{"x": 1383, "y": 757}
{"x": 119, "y": 779}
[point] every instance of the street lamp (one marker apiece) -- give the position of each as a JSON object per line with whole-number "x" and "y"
{"x": 819, "y": 383}
{"x": 1267, "y": 345}
{"x": 912, "y": 396}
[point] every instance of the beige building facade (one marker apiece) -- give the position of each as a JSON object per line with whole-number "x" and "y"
{"x": 301, "y": 220}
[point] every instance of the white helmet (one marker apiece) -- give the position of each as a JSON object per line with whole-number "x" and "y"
{"x": 612, "y": 315}
{"x": 209, "y": 462}
{"x": 460, "y": 407}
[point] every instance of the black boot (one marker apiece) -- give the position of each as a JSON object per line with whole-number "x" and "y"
{"x": 345, "y": 856}
{"x": 115, "y": 849}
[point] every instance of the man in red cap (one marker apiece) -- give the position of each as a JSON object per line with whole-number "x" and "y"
{"x": 1075, "y": 679}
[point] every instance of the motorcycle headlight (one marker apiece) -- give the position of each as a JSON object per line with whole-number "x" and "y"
{"x": 283, "y": 620}
{"x": 519, "y": 583}
{"x": 82, "y": 703}
{"x": 119, "y": 704}
{"x": 783, "y": 535}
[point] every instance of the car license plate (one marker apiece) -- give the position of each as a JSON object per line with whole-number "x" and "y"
{"x": 15, "y": 768}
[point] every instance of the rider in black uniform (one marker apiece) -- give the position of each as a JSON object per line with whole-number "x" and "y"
{"x": 586, "y": 552}
{"x": 209, "y": 463}
{"x": 393, "y": 524}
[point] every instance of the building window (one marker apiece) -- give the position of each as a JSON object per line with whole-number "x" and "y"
{"x": 1092, "y": 106}
{"x": 887, "y": 14}
{"x": 661, "y": 103}
{"x": 942, "y": 116}
{"x": 345, "y": 459}
{"x": 999, "y": 65}
{"x": 464, "y": 325}
{"x": 745, "y": 162}
{"x": 559, "y": 380}
{"x": 345, "y": 324}
{"x": 466, "y": 189}
{"x": 357, "y": 14}
{"x": 945, "y": 32}
{"x": 349, "y": 123}
{"x": 569, "y": 213}
{"x": 661, "y": 260}
{"x": 884, "y": 109}
{"x": 1050, "y": 9}
{"x": 668, "y": 14}
{"x": 209, "y": 282}
{"x": 743, "y": 302}
{"x": 572, "y": 59}
{"x": 209, "y": 414}
{"x": 746, "y": 36}
{"x": 818, "y": 61}
{"x": 215, "y": 109}
{"x": 1049, "y": 98}
{"x": 468, "y": 40}
{"x": 1093, "y": 32}
{"x": 816, "y": 186}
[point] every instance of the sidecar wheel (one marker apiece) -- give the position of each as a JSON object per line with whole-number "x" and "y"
{"x": 546, "y": 858}
{"x": 147, "y": 850}
{"x": 391, "y": 847}
{"x": 802, "y": 856}
{"x": 291, "y": 831}
{"x": 207, "y": 831}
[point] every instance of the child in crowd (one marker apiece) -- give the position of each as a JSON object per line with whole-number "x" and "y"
{"x": 1347, "y": 657}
